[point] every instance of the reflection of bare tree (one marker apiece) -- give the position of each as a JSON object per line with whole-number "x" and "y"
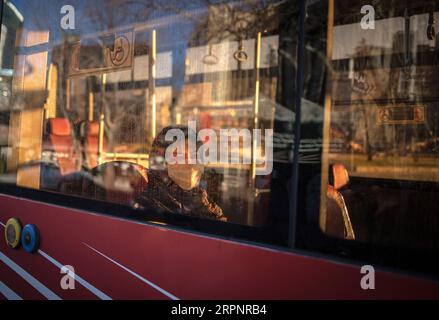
{"x": 115, "y": 13}
{"x": 234, "y": 21}
{"x": 212, "y": 21}
{"x": 111, "y": 15}
{"x": 118, "y": 112}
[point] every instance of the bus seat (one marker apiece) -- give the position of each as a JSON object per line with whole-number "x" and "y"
{"x": 89, "y": 133}
{"x": 59, "y": 140}
{"x": 341, "y": 176}
{"x": 339, "y": 222}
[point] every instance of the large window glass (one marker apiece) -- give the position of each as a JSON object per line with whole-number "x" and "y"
{"x": 372, "y": 69}
{"x": 181, "y": 108}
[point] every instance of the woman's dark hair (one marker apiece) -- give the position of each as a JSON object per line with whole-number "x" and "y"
{"x": 160, "y": 144}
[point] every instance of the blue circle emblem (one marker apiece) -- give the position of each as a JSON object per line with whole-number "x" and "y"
{"x": 30, "y": 238}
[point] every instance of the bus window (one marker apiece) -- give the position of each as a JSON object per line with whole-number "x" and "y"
{"x": 374, "y": 73}
{"x": 96, "y": 103}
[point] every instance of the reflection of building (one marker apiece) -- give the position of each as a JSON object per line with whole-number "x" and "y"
{"x": 12, "y": 19}
{"x": 385, "y": 90}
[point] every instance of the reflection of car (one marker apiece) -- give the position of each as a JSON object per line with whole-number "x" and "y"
{"x": 356, "y": 147}
{"x": 428, "y": 146}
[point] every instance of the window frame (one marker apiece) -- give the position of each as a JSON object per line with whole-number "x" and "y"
{"x": 400, "y": 261}
{"x": 231, "y": 231}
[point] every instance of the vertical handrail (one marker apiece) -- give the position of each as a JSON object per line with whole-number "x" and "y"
{"x": 68, "y": 93}
{"x": 102, "y": 122}
{"x": 327, "y": 120}
{"x": 90, "y": 105}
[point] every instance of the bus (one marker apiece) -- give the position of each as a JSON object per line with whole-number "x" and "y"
{"x": 195, "y": 149}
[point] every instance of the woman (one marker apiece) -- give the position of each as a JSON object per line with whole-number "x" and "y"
{"x": 174, "y": 188}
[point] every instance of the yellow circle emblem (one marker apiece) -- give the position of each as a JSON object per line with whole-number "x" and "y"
{"x": 13, "y": 233}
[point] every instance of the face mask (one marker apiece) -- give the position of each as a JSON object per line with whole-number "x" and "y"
{"x": 186, "y": 176}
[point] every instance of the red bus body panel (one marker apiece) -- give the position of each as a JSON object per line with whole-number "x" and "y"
{"x": 120, "y": 259}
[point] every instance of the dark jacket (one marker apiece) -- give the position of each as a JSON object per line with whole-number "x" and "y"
{"x": 164, "y": 195}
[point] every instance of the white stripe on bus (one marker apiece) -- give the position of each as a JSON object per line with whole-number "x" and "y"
{"x": 8, "y": 293}
{"x": 84, "y": 283}
{"x": 41, "y": 288}
{"x": 163, "y": 291}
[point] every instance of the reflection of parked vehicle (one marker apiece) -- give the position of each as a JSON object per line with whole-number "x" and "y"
{"x": 429, "y": 146}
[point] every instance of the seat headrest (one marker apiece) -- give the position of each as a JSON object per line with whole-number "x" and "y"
{"x": 89, "y": 128}
{"x": 59, "y": 127}
{"x": 93, "y": 129}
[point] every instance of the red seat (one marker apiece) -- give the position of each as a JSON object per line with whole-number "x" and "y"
{"x": 339, "y": 221}
{"x": 90, "y": 143}
{"x": 59, "y": 140}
